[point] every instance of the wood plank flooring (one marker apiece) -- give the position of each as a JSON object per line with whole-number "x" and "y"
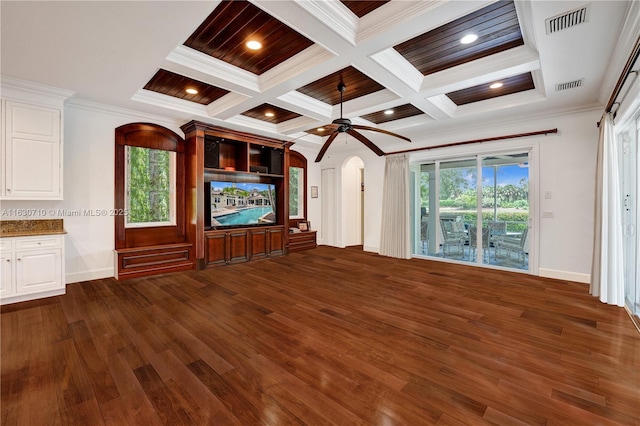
{"x": 326, "y": 336}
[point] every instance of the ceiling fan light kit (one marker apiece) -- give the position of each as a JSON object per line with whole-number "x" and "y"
{"x": 344, "y": 125}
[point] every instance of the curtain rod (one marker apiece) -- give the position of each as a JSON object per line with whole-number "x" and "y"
{"x": 495, "y": 138}
{"x": 635, "y": 53}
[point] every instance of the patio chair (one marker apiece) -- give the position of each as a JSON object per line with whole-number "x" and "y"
{"x": 451, "y": 238}
{"x": 513, "y": 244}
{"x": 473, "y": 242}
{"x": 497, "y": 229}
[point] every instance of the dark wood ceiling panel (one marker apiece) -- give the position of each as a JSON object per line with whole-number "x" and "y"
{"x": 224, "y": 33}
{"x": 279, "y": 114}
{"x": 169, "y": 83}
{"x": 325, "y": 132}
{"x": 515, "y": 84}
{"x": 497, "y": 28}
{"x": 326, "y": 89}
{"x": 362, "y": 7}
{"x": 399, "y": 112}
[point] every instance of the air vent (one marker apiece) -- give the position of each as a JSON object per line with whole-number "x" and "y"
{"x": 569, "y": 85}
{"x": 567, "y": 20}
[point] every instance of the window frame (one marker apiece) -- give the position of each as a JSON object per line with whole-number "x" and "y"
{"x": 298, "y": 160}
{"x": 146, "y": 135}
{"x": 172, "y": 192}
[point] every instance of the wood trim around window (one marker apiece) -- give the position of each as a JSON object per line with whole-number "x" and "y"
{"x": 152, "y": 136}
{"x": 298, "y": 160}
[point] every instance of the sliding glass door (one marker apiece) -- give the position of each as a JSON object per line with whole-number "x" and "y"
{"x": 631, "y": 243}
{"x": 474, "y": 209}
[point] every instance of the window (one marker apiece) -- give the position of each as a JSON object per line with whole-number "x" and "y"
{"x": 296, "y": 193}
{"x": 149, "y": 187}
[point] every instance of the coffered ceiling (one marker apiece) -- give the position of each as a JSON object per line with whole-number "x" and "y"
{"x": 403, "y": 62}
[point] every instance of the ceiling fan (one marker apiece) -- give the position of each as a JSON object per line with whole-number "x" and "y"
{"x": 343, "y": 125}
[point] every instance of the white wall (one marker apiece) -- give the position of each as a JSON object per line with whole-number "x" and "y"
{"x": 89, "y": 146}
{"x": 565, "y": 166}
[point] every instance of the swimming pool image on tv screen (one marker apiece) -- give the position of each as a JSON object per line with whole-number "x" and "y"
{"x": 240, "y": 204}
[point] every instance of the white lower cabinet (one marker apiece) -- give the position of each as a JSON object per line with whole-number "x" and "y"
{"x": 31, "y": 268}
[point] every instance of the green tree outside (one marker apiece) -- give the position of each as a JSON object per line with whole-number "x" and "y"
{"x": 148, "y": 185}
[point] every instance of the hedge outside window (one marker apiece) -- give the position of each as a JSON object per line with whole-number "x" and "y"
{"x": 296, "y": 193}
{"x": 149, "y": 187}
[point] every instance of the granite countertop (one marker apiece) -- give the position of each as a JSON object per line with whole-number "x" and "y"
{"x": 25, "y": 228}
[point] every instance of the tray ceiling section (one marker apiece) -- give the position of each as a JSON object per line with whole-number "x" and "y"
{"x": 503, "y": 87}
{"x": 179, "y": 86}
{"x": 496, "y": 27}
{"x": 226, "y": 31}
{"x": 392, "y": 114}
{"x": 405, "y": 56}
{"x": 271, "y": 114}
{"x": 326, "y": 89}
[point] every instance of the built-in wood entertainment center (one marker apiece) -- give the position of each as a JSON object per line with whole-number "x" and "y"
{"x": 218, "y": 154}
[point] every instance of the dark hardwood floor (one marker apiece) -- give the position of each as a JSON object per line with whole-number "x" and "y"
{"x": 325, "y": 336}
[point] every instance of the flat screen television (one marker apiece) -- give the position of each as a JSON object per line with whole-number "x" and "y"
{"x": 235, "y": 204}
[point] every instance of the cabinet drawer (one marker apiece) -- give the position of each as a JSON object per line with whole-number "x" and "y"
{"x": 38, "y": 242}
{"x": 6, "y": 244}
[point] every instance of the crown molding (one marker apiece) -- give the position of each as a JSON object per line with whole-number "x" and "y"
{"x": 402, "y": 69}
{"x": 504, "y": 64}
{"x": 311, "y": 57}
{"x": 337, "y": 17}
{"x": 218, "y": 107}
{"x": 122, "y": 112}
{"x": 306, "y": 105}
{"x": 381, "y": 19}
{"x": 169, "y": 102}
{"x": 14, "y": 87}
{"x": 203, "y": 63}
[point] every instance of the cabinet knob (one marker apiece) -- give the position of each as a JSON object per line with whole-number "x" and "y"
{"x": 8, "y": 189}
{"x": 8, "y": 260}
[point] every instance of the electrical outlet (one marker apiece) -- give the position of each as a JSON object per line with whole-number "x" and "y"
{"x": 547, "y": 215}
{"x": 547, "y": 195}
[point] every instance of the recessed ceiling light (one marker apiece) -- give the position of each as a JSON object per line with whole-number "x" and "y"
{"x": 269, "y": 114}
{"x": 469, "y": 38}
{"x": 254, "y": 45}
{"x": 191, "y": 91}
{"x": 320, "y": 129}
{"x": 496, "y": 85}
{"x": 388, "y": 112}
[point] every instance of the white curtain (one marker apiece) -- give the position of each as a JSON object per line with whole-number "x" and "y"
{"x": 395, "y": 240}
{"x": 607, "y": 273}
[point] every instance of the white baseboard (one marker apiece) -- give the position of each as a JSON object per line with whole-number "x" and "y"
{"x": 96, "y": 274}
{"x": 372, "y": 249}
{"x": 564, "y": 275}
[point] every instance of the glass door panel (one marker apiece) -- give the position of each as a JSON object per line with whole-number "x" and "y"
{"x": 505, "y": 210}
{"x": 457, "y": 211}
{"x": 629, "y": 164}
{"x": 425, "y": 237}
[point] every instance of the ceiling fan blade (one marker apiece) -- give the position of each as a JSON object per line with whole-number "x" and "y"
{"x": 325, "y": 146}
{"x": 386, "y": 132}
{"x": 366, "y": 141}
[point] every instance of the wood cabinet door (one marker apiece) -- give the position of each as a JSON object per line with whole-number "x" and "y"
{"x": 276, "y": 241}
{"x": 259, "y": 243}
{"x": 238, "y": 246}
{"x": 216, "y": 249}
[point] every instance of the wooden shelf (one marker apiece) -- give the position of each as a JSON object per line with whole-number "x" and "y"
{"x": 299, "y": 241}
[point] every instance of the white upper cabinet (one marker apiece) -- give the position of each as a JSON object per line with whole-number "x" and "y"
{"x": 32, "y": 142}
